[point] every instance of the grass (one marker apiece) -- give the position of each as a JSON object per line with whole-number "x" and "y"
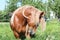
{"x": 52, "y": 31}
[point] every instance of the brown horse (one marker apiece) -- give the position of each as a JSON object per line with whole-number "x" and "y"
{"x": 25, "y": 21}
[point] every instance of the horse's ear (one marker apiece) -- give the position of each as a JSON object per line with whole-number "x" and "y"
{"x": 42, "y": 13}
{"x": 42, "y": 24}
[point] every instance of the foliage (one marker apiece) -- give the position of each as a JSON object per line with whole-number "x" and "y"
{"x": 37, "y": 3}
{"x": 11, "y": 5}
{"x": 55, "y": 6}
{"x": 9, "y": 8}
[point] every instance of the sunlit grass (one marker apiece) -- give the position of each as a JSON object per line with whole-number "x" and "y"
{"x": 52, "y": 31}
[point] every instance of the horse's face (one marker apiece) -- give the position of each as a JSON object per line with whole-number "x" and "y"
{"x": 34, "y": 21}
{"x": 33, "y": 16}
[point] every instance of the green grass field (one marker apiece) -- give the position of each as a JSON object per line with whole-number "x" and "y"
{"x": 52, "y": 31}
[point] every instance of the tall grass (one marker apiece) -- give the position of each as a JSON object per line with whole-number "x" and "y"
{"x": 52, "y": 31}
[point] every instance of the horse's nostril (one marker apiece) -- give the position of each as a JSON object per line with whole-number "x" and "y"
{"x": 37, "y": 24}
{"x": 32, "y": 33}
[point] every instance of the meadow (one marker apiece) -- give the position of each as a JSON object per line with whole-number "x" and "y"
{"x": 52, "y": 31}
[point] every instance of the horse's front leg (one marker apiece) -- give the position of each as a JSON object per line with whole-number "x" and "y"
{"x": 27, "y": 33}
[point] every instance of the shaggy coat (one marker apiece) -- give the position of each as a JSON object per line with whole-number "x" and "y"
{"x": 25, "y": 20}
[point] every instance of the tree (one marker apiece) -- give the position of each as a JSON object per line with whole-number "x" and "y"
{"x": 11, "y": 5}
{"x": 37, "y": 3}
{"x": 9, "y": 8}
{"x": 55, "y": 6}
